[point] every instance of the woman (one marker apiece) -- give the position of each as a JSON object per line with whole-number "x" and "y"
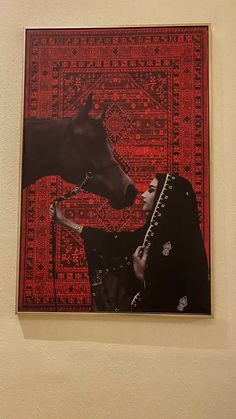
{"x": 161, "y": 267}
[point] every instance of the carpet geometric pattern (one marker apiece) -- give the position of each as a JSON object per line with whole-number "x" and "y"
{"x": 152, "y": 85}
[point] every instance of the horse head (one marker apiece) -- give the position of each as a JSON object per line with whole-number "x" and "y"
{"x": 86, "y": 149}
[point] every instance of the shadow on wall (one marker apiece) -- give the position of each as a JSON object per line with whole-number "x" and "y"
{"x": 148, "y": 330}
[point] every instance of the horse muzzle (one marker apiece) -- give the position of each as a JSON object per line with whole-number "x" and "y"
{"x": 126, "y": 200}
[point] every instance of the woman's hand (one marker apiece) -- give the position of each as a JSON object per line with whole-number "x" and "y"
{"x": 55, "y": 212}
{"x": 139, "y": 261}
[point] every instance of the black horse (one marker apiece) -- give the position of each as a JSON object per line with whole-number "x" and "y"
{"x": 71, "y": 148}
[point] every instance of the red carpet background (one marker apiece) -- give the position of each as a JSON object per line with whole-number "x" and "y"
{"x": 153, "y": 85}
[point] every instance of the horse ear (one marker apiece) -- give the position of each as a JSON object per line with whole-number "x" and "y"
{"x": 101, "y": 116}
{"x": 86, "y": 109}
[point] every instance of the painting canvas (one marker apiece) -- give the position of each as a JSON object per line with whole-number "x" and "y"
{"x": 115, "y": 171}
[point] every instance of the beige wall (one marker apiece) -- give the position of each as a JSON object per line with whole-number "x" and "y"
{"x": 120, "y": 367}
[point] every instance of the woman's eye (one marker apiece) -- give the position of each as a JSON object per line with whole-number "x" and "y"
{"x": 150, "y": 190}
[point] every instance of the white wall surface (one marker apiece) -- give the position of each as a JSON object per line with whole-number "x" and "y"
{"x": 120, "y": 367}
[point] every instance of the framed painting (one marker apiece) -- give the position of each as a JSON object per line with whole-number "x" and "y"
{"x": 115, "y": 171}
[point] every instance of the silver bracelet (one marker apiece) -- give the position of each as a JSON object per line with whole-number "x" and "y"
{"x": 77, "y": 228}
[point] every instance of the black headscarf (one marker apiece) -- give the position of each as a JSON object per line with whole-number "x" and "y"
{"x": 176, "y": 277}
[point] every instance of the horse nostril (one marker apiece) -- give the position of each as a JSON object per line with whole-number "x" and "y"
{"x": 130, "y": 194}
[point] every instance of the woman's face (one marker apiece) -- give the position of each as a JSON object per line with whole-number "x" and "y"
{"x": 149, "y": 194}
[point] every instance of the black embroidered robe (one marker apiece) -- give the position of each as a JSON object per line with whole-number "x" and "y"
{"x": 176, "y": 276}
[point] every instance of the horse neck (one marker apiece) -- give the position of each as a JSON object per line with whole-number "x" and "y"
{"x": 43, "y": 142}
